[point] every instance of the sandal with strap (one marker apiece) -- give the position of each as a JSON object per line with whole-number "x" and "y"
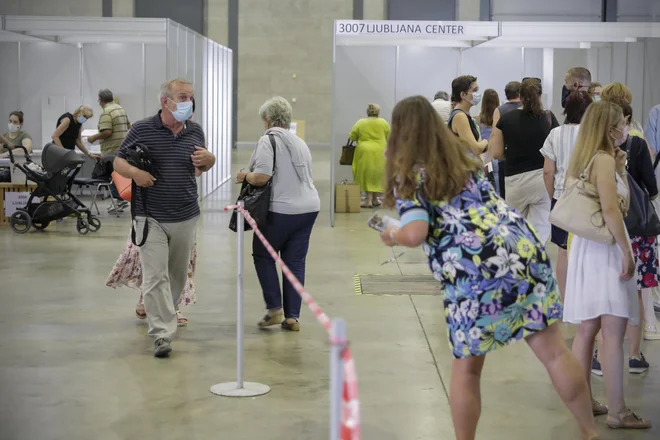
{"x": 139, "y": 311}
{"x": 627, "y": 420}
{"x": 181, "y": 321}
{"x": 598, "y": 408}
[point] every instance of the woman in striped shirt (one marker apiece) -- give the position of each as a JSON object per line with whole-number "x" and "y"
{"x": 557, "y": 151}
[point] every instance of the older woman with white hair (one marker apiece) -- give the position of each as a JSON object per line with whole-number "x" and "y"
{"x": 294, "y": 206}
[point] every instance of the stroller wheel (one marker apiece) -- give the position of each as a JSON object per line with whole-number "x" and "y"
{"x": 82, "y": 226}
{"x": 20, "y": 222}
{"x": 40, "y": 226}
{"x": 94, "y": 224}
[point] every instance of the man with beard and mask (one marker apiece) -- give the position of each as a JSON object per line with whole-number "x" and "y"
{"x": 577, "y": 78}
{"x": 177, "y": 149}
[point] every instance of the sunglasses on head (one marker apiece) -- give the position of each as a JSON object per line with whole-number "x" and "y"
{"x": 538, "y": 80}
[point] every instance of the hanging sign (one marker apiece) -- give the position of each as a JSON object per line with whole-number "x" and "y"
{"x": 457, "y": 29}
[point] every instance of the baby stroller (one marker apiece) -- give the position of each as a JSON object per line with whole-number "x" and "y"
{"x": 54, "y": 180}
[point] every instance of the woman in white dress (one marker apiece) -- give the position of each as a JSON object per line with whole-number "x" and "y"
{"x": 601, "y": 292}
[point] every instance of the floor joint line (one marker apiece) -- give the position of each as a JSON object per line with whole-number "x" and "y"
{"x": 428, "y": 343}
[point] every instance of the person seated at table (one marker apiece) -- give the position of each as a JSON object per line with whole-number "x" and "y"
{"x": 16, "y": 135}
{"x": 68, "y": 132}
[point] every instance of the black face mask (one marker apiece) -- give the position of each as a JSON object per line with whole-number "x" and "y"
{"x": 564, "y": 95}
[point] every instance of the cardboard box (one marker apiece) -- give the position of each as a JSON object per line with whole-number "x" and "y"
{"x": 347, "y": 198}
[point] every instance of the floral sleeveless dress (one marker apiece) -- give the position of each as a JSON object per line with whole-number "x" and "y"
{"x": 127, "y": 271}
{"x": 495, "y": 272}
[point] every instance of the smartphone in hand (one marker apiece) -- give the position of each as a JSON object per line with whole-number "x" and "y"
{"x": 382, "y": 223}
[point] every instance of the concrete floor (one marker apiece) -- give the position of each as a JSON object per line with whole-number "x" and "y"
{"x": 75, "y": 362}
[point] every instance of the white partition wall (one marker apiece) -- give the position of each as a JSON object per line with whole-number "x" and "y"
{"x": 54, "y": 64}
{"x": 383, "y": 62}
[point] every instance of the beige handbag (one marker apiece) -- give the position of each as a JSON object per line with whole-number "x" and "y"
{"x": 578, "y": 209}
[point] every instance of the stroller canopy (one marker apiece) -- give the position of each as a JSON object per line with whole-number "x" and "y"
{"x": 55, "y": 158}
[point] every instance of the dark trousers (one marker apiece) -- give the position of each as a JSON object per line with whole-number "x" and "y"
{"x": 289, "y": 235}
{"x": 114, "y": 192}
{"x": 502, "y": 170}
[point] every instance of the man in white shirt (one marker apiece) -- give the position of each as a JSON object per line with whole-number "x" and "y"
{"x": 442, "y": 105}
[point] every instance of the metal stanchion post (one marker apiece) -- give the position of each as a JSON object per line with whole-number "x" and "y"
{"x": 338, "y": 335}
{"x": 240, "y": 388}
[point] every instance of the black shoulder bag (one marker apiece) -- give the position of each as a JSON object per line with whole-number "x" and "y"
{"x": 139, "y": 157}
{"x": 256, "y": 199}
{"x": 642, "y": 220}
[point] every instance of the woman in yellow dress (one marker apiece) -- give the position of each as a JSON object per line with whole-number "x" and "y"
{"x": 371, "y": 134}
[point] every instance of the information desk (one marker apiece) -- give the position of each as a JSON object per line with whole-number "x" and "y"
{"x": 14, "y": 195}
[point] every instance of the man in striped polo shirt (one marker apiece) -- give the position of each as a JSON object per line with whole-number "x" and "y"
{"x": 177, "y": 149}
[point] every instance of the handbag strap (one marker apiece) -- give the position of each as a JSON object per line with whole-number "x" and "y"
{"x": 145, "y": 228}
{"x": 587, "y": 170}
{"x": 274, "y": 145}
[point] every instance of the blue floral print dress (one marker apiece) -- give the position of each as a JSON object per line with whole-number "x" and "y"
{"x": 495, "y": 272}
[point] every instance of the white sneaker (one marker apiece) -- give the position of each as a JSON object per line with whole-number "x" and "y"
{"x": 651, "y": 333}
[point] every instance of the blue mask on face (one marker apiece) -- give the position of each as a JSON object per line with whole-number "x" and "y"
{"x": 183, "y": 112}
{"x": 82, "y": 119}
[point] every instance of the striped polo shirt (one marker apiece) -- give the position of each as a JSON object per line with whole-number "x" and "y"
{"x": 173, "y": 197}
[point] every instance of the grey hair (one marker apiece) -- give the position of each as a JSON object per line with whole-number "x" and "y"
{"x": 277, "y": 111}
{"x": 441, "y": 95}
{"x": 106, "y": 95}
{"x": 166, "y": 88}
{"x": 373, "y": 110}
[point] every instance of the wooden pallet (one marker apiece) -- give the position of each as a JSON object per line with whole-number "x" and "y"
{"x": 11, "y": 187}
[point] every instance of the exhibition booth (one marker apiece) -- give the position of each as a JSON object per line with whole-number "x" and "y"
{"x": 383, "y": 62}
{"x": 52, "y": 65}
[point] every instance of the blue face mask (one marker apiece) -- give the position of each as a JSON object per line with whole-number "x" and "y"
{"x": 183, "y": 112}
{"x": 596, "y": 98}
{"x": 82, "y": 119}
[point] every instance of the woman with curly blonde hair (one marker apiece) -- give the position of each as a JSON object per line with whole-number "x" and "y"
{"x": 493, "y": 268}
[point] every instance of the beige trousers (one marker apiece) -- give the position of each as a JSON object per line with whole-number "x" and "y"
{"x": 526, "y": 192}
{"x": 164, "y": 258}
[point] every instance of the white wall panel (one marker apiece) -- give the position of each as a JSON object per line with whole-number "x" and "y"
{"x": 9, "y": 85}
{"x": 564, "y": 59}
{"x": 363, "y": 75}
{"x": 182, "y": 53}
{"x": 651, "y": 96}
{"x": 533, "y": 59}
{"x": 155, "y": 63}
{"x": 120, "y": 68}
{"x": 494, "y": 68}
{"x": 544, "y": 10}
{"x": 425, "y": 71}
{"x": 47, "y": 69}
{"x": 172, "y": 50}
{"x": 228, "y": 69}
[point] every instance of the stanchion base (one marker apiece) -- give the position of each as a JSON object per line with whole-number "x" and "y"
{"x": 230, "y": 389}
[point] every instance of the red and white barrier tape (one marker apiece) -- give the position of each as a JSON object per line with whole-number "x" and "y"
{"x": 350, "y": 420}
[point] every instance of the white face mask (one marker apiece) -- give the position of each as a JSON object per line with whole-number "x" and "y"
{"x": 13, "y": 128}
